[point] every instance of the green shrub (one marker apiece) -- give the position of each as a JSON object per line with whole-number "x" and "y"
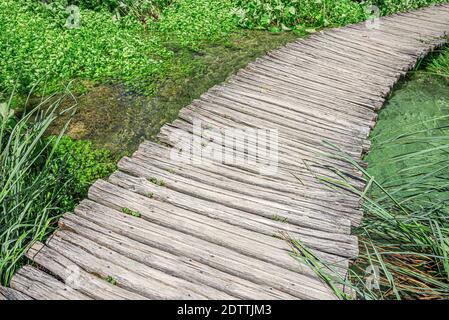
{"x": 36, "y": 47}
{"x": 83, "y": 165}
{"x": 143, "y": 10}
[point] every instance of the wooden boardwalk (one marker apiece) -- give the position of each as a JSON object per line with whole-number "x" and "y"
{"x": 162, "y": 228}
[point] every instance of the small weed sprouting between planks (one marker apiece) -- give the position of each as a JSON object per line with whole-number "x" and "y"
{"x": 131, "y": 212}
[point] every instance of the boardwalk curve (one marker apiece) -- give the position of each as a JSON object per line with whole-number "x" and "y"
{"x": 168, "y": 227}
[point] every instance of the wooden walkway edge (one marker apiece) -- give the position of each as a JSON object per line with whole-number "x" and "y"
{"x": 170, "y": 226}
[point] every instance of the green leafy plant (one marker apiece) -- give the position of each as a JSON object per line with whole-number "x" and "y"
{"x": 30, "y": 189}
{"x": 282, "y": 15}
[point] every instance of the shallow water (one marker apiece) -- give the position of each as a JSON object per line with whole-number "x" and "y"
{"x": 117, "y": 118}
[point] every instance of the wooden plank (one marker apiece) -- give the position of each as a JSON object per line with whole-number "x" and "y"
{"x": 377, "y": 83}
{"x": 289, "y": 152}
{"x": 378, "y": 80}
{"x": 234, "y": 152}
{"x": 301, "y": 203}
{"x": 225, "y": 117}
{"x": 337, "y": 105}
{"x": 316, "y": 85}
{"x": 305, "y": 48}
{"x": 316, "y": 90}
{"x": 309, "y": 200}
{"x": 290, "y": 109}
{"x": 318, "y": 128}
{"x": 440, "y": 20}
{"x": 358, "y": 42}
{"x": 234, "y": 148}
{"x": 152, "y": 150}
{"x": 308, "y": 197}
{"x": 348, "y": 84}
{"x": 309, "y": 91}
{"x": 216, "y": 179}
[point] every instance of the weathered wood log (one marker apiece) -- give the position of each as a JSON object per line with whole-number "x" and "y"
{"x": 76, "y": 277}
{"x": 42, "y": 286}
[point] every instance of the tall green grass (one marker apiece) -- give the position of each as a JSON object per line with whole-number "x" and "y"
{"x": 405, "y": 231}
{"x": 32, "y": 180}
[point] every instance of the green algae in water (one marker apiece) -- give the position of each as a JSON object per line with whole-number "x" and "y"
{"x": 410, "y": 143}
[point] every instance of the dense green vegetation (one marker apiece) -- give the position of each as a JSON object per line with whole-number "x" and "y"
{"x": 36, "y": 46}
{"x": 40, "y": 178}
{"x": 136, "y": 43}
{"x": 131, "y": 52}
{"x": 405, "y": 231}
